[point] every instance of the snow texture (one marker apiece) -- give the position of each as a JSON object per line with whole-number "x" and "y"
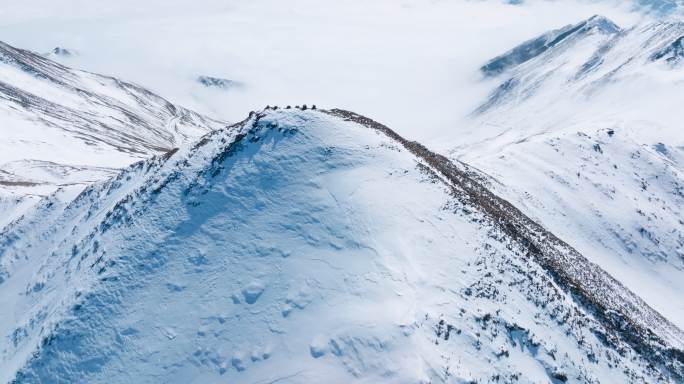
{"x": 309, "y": 246}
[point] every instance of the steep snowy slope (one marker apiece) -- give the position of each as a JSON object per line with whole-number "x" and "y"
{"x": 61, "y": 126}
{"x": 584, "y": 136}
{"x": 311, "y": 246}
{"x": 583, "y": 59}
{"x": 594, "y": 27}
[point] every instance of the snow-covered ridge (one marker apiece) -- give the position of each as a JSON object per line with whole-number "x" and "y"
{"x": 582, "y": 59}
{"x": 77, "y": 124}
{"x": 218, "y": 82}
{"x": 583, "y": 139}
{"x": 293, "y": 246}
{"x": 537, "y": 46}
{"x": 94, "y": 108}
{"x": 661, "y": 7}
{"x": 611, "y": 302}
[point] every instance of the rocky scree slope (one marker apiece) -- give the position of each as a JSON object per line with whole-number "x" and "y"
{"x": 301, "y": 246}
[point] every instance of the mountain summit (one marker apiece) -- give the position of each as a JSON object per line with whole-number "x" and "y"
{"x": 311, "y": 246}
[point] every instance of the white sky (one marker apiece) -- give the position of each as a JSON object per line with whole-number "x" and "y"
{"x": 411, "y": 64}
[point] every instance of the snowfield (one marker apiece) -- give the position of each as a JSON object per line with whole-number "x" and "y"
{"x": 306, "y": 246}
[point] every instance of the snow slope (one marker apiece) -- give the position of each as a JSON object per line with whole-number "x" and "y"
{"x": 311, "y": 246}
{"x": 582, "y": 135}
{"x": 62, "y": 127}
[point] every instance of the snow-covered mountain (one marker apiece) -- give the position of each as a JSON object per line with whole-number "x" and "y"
{"x": 143, "y": 242}
{"x": 595, "y": 26}
{"x": 311, "y": 246}
{"x": 583, "y": 58}
{"x": 582, "y": 134}
{"x": 63, "y": 127}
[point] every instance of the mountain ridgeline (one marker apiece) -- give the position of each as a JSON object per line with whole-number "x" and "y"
{"x": 66, "y": 128}
{"x": 307, "y": 246}
{"x": 582, "y": 58}
{"x": 144, "y": 242}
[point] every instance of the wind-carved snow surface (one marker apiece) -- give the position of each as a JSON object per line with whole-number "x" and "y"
{"x": 64, "y": 128}
{"x": 311, "y": 246}
{"x": 583, "y": 137}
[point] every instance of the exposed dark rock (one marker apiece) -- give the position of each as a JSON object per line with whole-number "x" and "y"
{"x": 217, "y": 82}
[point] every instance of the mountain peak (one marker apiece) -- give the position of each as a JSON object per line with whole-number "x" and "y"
{"x": 222, "y": 260}
{"x": 540, "y": 44}
{"x": 602, "y": 23}
{"x": 218, "y": 82}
